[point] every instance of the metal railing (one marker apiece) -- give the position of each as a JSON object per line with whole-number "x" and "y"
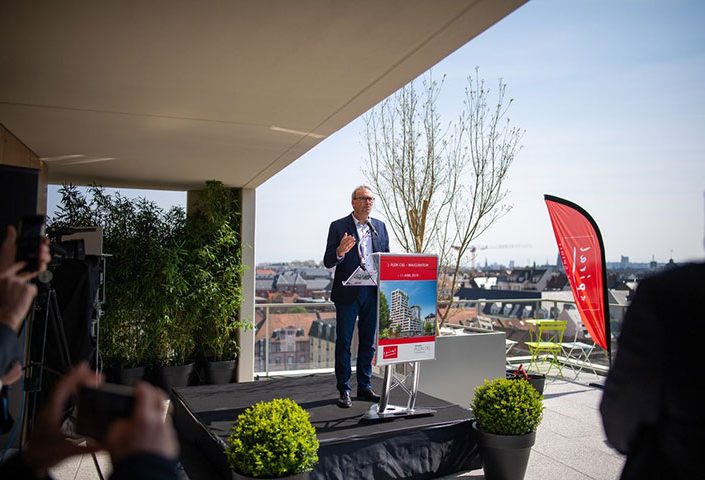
{"x": 265, "y": 359}
{"x": 284, "y": 339}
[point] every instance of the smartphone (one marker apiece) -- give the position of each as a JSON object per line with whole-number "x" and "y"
{"x": 29, "y": 241}
{"x": 98, "y": 408}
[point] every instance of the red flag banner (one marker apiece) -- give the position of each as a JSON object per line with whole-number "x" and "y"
{"x": 582, "y": 253}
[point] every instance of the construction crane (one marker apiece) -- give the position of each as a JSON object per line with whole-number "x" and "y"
{"x": 473, "y": 249}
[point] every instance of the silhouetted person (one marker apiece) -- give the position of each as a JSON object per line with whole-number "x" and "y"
{"x": 652, "y": 407}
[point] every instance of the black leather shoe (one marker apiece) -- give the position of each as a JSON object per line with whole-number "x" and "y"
{"x": 368, "y": 395}
{"x": 344, "y": 401}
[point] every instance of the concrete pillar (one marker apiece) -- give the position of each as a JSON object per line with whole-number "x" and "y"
{"x": 246, "y": 363}
{"x": 246, "y": 340}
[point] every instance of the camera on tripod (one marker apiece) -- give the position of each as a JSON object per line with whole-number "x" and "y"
{"x": 74, "y": 243}
{"x": 63, "y": 328}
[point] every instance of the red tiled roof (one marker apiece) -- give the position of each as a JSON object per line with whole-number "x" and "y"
{"x": 284, "y": 320}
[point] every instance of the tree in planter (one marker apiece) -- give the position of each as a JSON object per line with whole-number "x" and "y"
{"x": 145, "y": 289}
{"x": 215, "y": 271}
{"x": 441, "y": 187}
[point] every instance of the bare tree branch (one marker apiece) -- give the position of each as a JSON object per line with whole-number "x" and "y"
{"x": 441, "y": 188}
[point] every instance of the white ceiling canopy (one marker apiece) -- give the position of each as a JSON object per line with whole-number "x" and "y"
{"x": 170, "y": 94}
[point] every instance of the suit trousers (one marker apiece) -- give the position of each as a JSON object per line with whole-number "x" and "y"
{"x": 364, "y": 309}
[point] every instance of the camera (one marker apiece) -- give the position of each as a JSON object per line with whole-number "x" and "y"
{"x": 99, "y": 407}
{"x": 29, "y": 241}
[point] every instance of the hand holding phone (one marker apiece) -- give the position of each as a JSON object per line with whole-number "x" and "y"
{"x": 99, "y": 407}
{"x": 30, "y": 241}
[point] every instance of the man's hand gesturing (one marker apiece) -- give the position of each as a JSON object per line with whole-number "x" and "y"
{"x": 346, "y": 244}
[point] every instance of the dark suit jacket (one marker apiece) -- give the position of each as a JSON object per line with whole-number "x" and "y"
{"x": 345, "y": 268}
{"x": 652, "y": 408}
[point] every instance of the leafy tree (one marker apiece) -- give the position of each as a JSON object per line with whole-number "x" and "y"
{"x": 215, "y": 270}
{"x": 145, "y": 287}
{"x": 173, "y": 283}
{"x": 441, "y": 187}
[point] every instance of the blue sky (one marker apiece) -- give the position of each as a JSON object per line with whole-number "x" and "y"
{"x": 612, "y": 98}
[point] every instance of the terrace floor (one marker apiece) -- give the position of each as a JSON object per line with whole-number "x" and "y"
{"x": 570, "y": 442}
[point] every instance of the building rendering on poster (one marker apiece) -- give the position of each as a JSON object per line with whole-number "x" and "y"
{"x": 406, "y": 308}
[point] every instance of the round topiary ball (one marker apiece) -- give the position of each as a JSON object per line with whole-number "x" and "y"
{"x": 507, "y": 407}
{"x": 272, "y": 439}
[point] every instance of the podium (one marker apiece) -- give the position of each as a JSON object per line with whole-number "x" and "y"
{"x": 406, "y": 324}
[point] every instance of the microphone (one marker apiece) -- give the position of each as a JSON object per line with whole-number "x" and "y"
{"x": 372, "y": 228}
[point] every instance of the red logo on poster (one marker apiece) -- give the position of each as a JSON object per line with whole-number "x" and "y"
{"x": 390, "y": 352}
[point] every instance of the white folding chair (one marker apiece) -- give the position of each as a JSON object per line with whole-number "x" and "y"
{"x": 485, "y": 323}
{"x": 578, "y": 353}
{"x": 508, "y": 345}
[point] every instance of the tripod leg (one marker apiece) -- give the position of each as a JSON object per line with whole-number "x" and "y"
{"x": 59, "y": 332}
{"x": 34, "y": 377}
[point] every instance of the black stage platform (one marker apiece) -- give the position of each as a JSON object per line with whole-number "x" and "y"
{"x": 419, "y": 447}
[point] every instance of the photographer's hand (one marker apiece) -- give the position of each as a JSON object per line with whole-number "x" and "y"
{"x": 147, "y": 431}
{"x": 12, "y": 375}
{"x": 16, "y": 295}
{"x": 49, "y": 445}
{"x": 8, "y": 248}
{"x": 8, "y": 251}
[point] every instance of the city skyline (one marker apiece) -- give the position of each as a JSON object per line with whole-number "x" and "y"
{"x": 611, "y": 97}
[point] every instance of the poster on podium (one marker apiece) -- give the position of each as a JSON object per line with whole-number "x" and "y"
{"x": 406, "y": 307}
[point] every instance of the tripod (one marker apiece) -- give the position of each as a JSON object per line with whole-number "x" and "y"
{"x": 45, "y": 316}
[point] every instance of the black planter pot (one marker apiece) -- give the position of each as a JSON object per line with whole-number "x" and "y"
{"x": 221, "y": 372}
{"x": 126, "y": 376}
{"x": 298, "y": 476}
{"x": 536, "y": 380}
{"x": 167, "y": 378}
{"x": 504, "y": 457}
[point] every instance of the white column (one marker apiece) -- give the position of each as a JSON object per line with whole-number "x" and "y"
{"x": 246, "y": 358}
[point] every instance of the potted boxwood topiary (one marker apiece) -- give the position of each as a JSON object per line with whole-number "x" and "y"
{"x": 507, "y": 413}
{"x": 273, "y": 439}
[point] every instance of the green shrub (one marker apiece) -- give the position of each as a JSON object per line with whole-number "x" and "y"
{"x": 215, "y": 270}
{"x": 273, "y": 439}
{"x": 173, "y": 283}
{"x": 145, "y": 285}
{"x": 507, "y": 407}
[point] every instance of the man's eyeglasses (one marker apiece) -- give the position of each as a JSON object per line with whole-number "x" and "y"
{"x": 366, "y": 199}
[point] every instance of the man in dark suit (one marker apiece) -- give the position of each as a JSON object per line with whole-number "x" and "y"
{"x": 351, "y": 242}
{"x": 652, "y": 406}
